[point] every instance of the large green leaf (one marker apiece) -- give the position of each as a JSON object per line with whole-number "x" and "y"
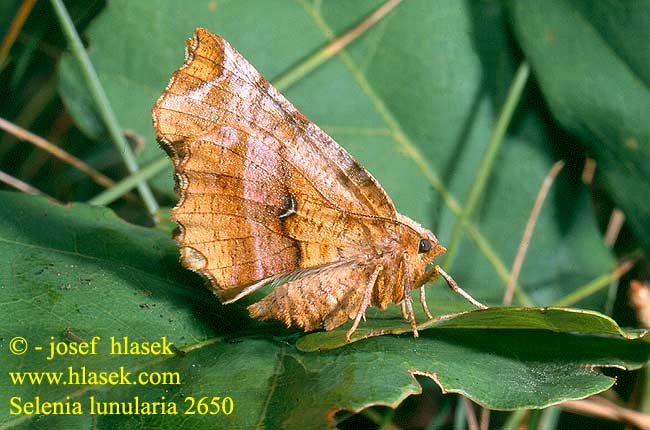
{"x": 71, "y": 273}
{"x": 591, "y": 61}
{"x": 559, "y": 320}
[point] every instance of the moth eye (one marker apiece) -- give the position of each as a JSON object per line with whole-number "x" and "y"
{"x": 425, "y": 246}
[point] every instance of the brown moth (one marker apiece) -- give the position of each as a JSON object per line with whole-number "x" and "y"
{"x": 266, "y": 197}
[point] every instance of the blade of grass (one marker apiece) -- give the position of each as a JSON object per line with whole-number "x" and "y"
{"x": 487, "y": 162}
{"x": 470, "y": 415}
{"x": 598, "y": 406}
{"x": 644, "y": 390}
{"x": 549, "y": 419}
{"x": 533, "y": 419}
{"x": 596, "y": 285}
{"x": 387, "y": 421}
{"x": 122, "y": 187}
{"x": 101, "y": 100}
{"x": 616, "y": 221}
{"x": 23, "y": 186}
{"x": 55, "y": 151}
{"x": 460, "y": 417}
{"x": 588, "y": 171}
{"x": 484, "y": 423}
{"x": 319, "y": 57}
{"x": 513, "y": 420}
{"x": 14, "y": 29}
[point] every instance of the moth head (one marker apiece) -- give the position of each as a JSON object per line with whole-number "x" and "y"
{"x": 428, "y": 246}
{"x": 425, "y": 243}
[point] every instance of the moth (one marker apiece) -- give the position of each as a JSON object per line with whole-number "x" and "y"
{"x": 267, "y": 198}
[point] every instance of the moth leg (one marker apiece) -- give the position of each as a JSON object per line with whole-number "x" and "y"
{"x": 407, "y": 296}
{"x": 428, "y": 276}
{"x": 365, "y": 302}
{"x": 423, "y": 301}
{"x": 409, "y": 307}
{"x": 456, "y": 289}
{"x": 404, "y": 314}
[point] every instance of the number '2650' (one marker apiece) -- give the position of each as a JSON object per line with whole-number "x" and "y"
{"x": 209, "y": 405}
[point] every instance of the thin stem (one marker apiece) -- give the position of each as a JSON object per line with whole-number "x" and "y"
{"x": 101, "y": 100}
{"x": 595, "y": 285}
{"x": 528, "y": 231}
{"x": 616, "y": 221}
{"x": 111, "y": 194}
{"x": 598, "y": 406}
{"x": 57, "y": 152}
{"x": 588, "y": 171}
{"x": 472, "y": 423}
{"x": 460, "y": 419}
{"x": 500, "y": 268}
{"x": 22, "y": 186}
{"x": 513, "y": 420}
{"x": 484, "y": 424}
{"x": 333, "y": 48}
{"x": 14, "y": 29}
{"x": 387, "y": 420}
{"x": 487, "y": 163}
{"x": 639, "y": 300}
{"x": 644, "y": 390}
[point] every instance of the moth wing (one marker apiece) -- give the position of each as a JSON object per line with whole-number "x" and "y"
{"x": 244, "y": 157}
{"x": 217, "y": 86}
{"x": 326, "y": 299}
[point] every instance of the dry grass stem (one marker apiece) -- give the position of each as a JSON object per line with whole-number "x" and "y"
{"x": 15, "y": 27}
{"x": 588, "y": 171}
{"x": 57, "y": 152}
{"x": 485, "y": 419}
{"x": 616, "y": 221}
{"x": 361, "y": 28}
{"x": 472, "y": 423}
{"x": 528, "y": 231}
{"x": 597, "y": 406}
{"x": 60, "y": 154}
{"x": 22, "y": 186}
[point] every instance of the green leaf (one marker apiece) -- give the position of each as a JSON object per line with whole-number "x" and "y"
{"x": 591, "y": 61}
{"x": 73, "y": 273}
{"x": 558, "y": 320}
